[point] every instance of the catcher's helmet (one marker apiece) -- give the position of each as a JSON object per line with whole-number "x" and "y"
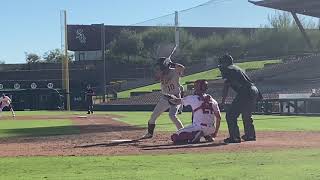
{"x": 200, "y": 86}
{"x": 225, "y": 60}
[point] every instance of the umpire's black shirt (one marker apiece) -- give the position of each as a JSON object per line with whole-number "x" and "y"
{"x": 236, "y": 77}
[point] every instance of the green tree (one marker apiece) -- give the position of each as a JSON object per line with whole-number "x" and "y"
{"x": 56, "y": 56}
{"x": 32, "y": 58}
{"x": 281, "y": 21}
{"x": 153, "y": 37}
{"x": 186, "y": 47}
{"x": 128, "y": 43}
{"x": 206, "y": 47}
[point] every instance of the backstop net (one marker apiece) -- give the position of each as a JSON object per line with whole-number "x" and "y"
{"x": 266, "y": 43}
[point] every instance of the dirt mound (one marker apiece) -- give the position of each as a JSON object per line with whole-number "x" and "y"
{"x": 97, "y": 135}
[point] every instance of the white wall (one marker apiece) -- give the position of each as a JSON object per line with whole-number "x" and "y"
{"x": 87, "y": 55}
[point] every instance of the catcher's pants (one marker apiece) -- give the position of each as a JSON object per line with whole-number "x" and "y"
{"x": 191, "y": 133}
{"x": 206, "y": 129}
{"x": 244, "y": 103}
{"x": 161, "y": 107}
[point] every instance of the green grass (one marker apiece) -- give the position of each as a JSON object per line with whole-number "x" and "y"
{"x": 44, "y": 113}
{"x": 55, "y": 127}
{"x": 9, "y": 128}
{"x": 262, "y": 122}
{"x": 211, "y": 74}
{"x": 284, "y": 165}
{"x": 264, "y": 165}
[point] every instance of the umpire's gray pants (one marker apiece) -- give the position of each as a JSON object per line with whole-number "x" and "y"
{"x": 161, "y": 107}
{"x": 244, "y": 104}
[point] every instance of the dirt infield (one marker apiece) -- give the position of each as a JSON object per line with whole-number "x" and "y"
{"x": 97, "y": 133}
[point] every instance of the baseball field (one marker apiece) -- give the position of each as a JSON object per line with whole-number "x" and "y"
{"x": 72, "y": 145}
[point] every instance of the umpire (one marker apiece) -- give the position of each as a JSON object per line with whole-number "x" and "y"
{"x": 244, "y": 103}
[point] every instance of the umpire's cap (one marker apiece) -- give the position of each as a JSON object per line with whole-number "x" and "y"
{"x": 225, "y": 60}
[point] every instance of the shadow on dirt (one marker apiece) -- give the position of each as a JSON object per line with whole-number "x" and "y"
{"x": 180, "y": 146}
{"x": 116, "y": 143}
{"x": 37, "y": 134}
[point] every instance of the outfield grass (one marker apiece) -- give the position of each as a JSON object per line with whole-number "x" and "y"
{"x": 7, "y": 114}
{"x": 284, "y": 165}
{"x": 45, "y": 127}
{"x": 262, "y": 122}
{"x": 211, "y": 74}
{"x": 9, "y": 128}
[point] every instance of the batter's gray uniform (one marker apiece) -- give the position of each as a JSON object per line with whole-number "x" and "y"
{"x": 170, "y": 84}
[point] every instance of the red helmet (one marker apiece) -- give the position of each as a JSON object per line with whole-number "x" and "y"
{"x": 200, "y": 86}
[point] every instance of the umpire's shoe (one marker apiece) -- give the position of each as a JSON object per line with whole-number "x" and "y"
{"x": 246, "y": 138}
{"x": 231, "y": 140}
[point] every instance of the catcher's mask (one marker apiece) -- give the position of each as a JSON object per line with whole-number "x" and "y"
{"x": 200, "y": 86}
{"x": 225, "y": 60}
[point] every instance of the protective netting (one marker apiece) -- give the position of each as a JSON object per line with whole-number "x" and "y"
{"x": 216, "y": 27}
{"x": 159, "y": 38}
{"x": 252, "y": 34}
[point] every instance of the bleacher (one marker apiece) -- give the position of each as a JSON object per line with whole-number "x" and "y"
{"x": 298, "y": 68}
{"x": 297, "y": 75}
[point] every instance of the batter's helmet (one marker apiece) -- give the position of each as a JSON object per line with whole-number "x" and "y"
{"x": 200, "y": 86}
{"x": 225, "y": 60}
{"x": 161, "y": 64}
{"x": 164, "y": 63}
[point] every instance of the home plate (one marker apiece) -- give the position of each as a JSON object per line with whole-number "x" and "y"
{"x": 82, "y": 116}
{"x": 122, "y": 140}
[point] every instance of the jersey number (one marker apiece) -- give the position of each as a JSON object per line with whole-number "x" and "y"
{"x": 170, "y": 87}
{"x": 207, "y": 108}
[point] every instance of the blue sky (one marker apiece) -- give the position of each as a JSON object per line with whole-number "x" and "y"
{"x": 33, "y": 26}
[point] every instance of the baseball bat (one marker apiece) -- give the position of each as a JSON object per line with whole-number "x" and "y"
{"x": 173, "y": 51}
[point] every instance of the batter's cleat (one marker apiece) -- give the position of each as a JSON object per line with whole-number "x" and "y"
{"x": 147, "y": 136}
{"x": 230, "y": 140}
{"x": 209, "y": 138}
{"x": 246, "y": 138}
{"x": 88, "y": 112}
{"x": 197, "y": 137}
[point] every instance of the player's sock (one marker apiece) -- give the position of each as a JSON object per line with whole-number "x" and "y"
{"x": 151, "y": 128}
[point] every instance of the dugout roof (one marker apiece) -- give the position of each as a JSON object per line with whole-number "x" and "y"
{"x": 305, "y": 7}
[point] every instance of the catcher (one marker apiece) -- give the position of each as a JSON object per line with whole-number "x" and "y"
{"x": 5, "y": 101}
{"x": 206, "y": 116}
{"x": 169, "y": 74}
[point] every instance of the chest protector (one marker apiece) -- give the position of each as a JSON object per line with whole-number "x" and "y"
{"x": 206, "y": 105}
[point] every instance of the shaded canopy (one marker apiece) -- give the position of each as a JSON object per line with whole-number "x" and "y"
{"x": 305, "y": 7}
